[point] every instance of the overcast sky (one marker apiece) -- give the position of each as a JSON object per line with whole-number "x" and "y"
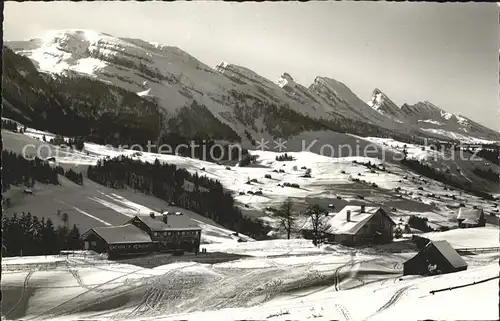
{"x": 445, "y": 53}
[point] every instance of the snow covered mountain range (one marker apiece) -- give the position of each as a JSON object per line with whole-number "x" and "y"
{"x": 246, "y": 104}
{"x": 428, "y": 117}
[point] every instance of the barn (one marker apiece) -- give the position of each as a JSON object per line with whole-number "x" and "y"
{"x": 470, "y": 217}
{"x": 356, "y": 225}
{"x": 170, "y": 232}
{"x": 118, "y": 240}
{"x": 436, "y": 257}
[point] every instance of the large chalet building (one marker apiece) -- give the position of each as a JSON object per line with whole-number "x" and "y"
{"x": 356, "y": 225}
{"x": 170, "y": 232}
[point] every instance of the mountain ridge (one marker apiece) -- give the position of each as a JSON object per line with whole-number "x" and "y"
{"x": 233, "y": 94}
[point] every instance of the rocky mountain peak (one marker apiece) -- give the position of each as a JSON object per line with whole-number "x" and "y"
{"x": 286, "y": 80}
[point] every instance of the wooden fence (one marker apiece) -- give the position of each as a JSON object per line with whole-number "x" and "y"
{"x": 477, "y": 249}
{"x": 464, "y": 285}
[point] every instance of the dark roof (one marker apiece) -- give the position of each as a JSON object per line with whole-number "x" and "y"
{"x": 449, "y": 253}
{"x": 127, "y": 233}
{"x": 174, "y": 223}
{"x": 471, "y": 215}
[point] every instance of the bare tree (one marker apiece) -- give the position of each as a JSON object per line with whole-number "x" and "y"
{"x": 318, "y": 226}
{"x": 285, "y": 215}
{"x": 65, "y": 219}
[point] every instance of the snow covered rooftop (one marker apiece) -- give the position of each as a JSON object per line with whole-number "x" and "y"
{"x": 469, "y": 215}
{"x": 121, "y": 234}
{"x": 337, "y": 223}
{"x": 174, "y": 222}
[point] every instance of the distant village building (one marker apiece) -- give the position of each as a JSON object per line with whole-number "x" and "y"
{"x": 437, "y": 257}
{"x": 470, "y": 217}
{"x": 356, "y": 225}
{"x": 172, "y": 232}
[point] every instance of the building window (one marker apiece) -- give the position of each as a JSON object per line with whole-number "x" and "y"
{"x": 93, "y": 243}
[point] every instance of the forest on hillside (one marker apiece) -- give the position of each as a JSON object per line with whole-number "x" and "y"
{"x": 26, "y": 234}
{"x": 167, "y": 182}
{"x": 18, "y": 170}
{"x": 445, "y": 178}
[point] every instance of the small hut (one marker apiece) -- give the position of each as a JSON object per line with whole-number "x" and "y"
{"x": 437, "y": 257}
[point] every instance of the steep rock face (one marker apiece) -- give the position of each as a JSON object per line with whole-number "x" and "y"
{"x": 425, "y": 110}
{"x": 384, "y": 105}
{"x": 344, "y": 102}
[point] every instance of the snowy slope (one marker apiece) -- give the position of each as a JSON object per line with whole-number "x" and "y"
{"x": 331, "y": 182}
{"x": 468, "y": 238}
{"x": 321, "y": 286}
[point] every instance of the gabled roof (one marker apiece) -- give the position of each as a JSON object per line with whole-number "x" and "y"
{"x": 471, "y": 215}
{"x": 121, "y": 234}
{"x": 448, "y": 253}
{"x": 338, "y": 224}
{"x": 174, "y": 223}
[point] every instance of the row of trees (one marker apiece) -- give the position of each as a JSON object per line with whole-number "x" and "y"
{"x": 200, "y": 147}
{"x": 167, "y": 182}
{"x": 284, "y": 157}
{"x": 9, "y": 125}
{"x": 26, "y": 234}
{"x": 70, "y": 174}
{"x": 489, "y": 174}
{"x": 491, "y": 155}
{"x": 74, "y": 142}
{"x": 489, "y": 152}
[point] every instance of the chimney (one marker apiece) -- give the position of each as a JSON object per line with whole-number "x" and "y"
{"x": 152, "y": 214}
{"x": 362, "y": 208}
{"x": 348, "y": 216}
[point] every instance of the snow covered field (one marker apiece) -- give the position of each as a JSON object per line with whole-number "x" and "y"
{"x": 324, "y": 285}
{"x": 468, "y": 238}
